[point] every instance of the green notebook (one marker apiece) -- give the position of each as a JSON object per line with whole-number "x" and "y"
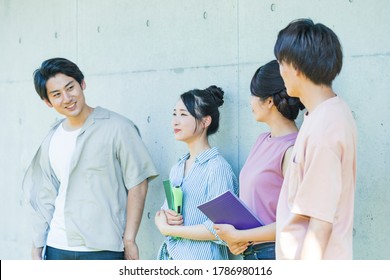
{"x": 174, "y": 196}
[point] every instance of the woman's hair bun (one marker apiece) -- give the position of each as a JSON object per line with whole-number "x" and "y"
{"x": 288, "y": 106}
{"x": 217, "y": 93}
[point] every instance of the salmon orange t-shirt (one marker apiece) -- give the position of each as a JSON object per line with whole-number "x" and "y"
{"x": 320, "y": 182}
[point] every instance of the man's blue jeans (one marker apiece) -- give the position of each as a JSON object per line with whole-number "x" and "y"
{"x": 58, "y": 254}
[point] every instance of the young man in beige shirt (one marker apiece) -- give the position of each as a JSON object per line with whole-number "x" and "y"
{"x": 88, "y": 180}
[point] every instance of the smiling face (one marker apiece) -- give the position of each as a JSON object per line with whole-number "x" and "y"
{"x": 185, "y": 127}
{"x": 66, "y": 96}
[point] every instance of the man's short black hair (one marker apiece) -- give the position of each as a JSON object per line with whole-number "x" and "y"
{"x": 52, "y": 67}
{"x": 313, "y": 49}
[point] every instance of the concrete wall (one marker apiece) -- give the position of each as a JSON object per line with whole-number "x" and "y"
{"x": 139, "y": 55}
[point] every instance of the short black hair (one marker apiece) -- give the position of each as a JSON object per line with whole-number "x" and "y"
{"x": 313, "y": 49}
{"x": 51, "y": 67}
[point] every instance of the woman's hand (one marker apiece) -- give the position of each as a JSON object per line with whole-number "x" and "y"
{"x": 161, "y": 222}
{"x": 227, "y": 233}
{"x": 173, "y": 218}
{"x": 230, "y": 235}
{"x": 238, "y": 248}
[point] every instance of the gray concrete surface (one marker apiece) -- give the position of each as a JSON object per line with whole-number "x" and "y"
{"x": 138, "y": 56}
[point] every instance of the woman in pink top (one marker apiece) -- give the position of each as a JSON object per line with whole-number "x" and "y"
{"x": 262, "y": 175}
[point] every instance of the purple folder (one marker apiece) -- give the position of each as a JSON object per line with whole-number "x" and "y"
{"x": 227, "y": 208}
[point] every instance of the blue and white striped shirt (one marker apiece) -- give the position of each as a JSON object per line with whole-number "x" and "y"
{"x": 209, "y": 176}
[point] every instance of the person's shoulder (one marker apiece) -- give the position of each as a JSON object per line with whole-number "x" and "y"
{"x": 114, "y": 121}
{"x": 114, "y": 117}
{"x": 342, "y": 115}
{"x": 334, "y": 125}
{"x": 262, "y": 137}
{"x": 217, "y": 160}
{"x": 345, "y": 110}
{"x": 219, "y": 168}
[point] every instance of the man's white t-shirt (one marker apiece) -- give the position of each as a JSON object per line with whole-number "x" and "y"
{"x": 62, "y": 146}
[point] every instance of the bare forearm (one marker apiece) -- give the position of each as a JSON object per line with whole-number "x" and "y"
{"x": 135, "y": 207}
{"x": 195, "y": 232}
{"x": 316, "y": 239}
{"x": 260, "y": 234}
{"x": 231, "y": 235}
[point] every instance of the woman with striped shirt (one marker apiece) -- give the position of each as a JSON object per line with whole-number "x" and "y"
{"x": 202, "y": 174}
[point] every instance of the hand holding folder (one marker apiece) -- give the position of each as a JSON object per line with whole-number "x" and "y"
{"x": 174, "y": 197}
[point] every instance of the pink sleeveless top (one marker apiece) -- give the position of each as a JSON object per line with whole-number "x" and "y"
{"x": 261, "y": 177}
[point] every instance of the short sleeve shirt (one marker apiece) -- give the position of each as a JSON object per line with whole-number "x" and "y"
{"x": 109, "y": 159}
{"x": 320, "y": 182}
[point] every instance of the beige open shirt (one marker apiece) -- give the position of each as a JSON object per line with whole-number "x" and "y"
{"x": 109, "y": 159}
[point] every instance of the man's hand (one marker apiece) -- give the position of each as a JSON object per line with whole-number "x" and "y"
{"x": 36, "y": 253}
{"x": 131, "y": 250}
{"x": 135, "y": 207}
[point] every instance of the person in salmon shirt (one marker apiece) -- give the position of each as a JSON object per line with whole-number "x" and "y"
{"x": 315, "y": 209}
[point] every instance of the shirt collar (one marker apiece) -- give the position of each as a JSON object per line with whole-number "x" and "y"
{"x": 204, "y": 156}
{"x": 100, "y": 113}
{"x": 97, "y": 113}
